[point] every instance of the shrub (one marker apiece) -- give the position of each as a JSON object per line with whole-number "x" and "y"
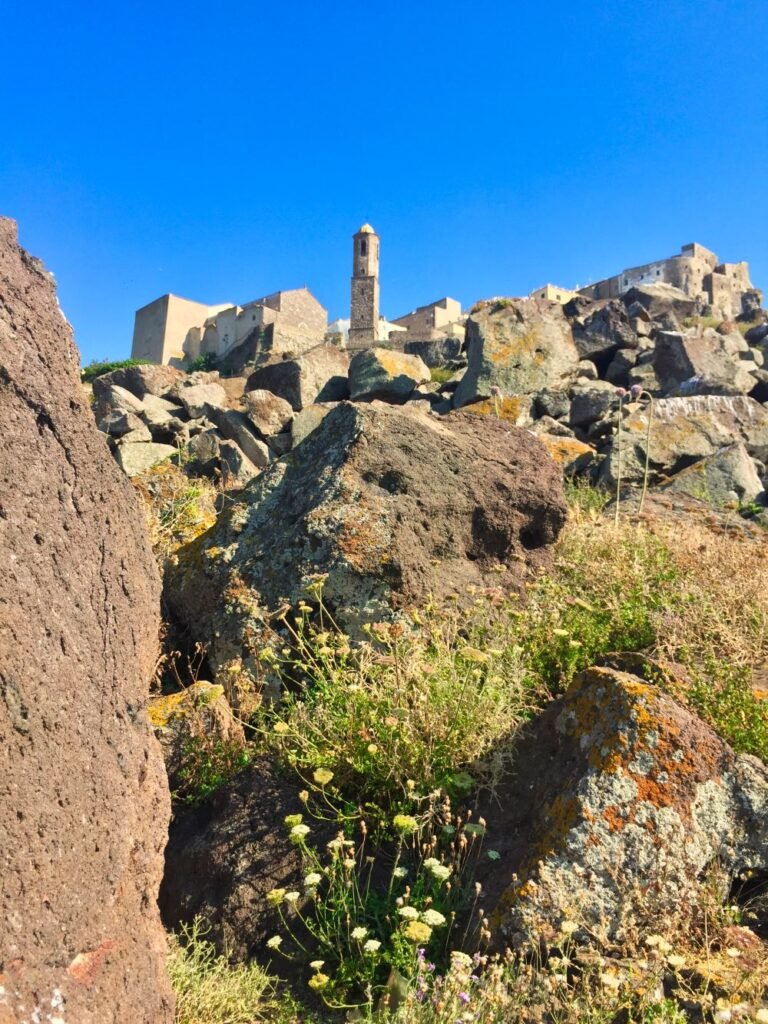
{"x": 94, "y": 369}
{"x": 205, "y": 363}
{"x": 209, "y": 990}
{"x": 207, "y": 764}
{"x": 441, "y": 374}
{"x": 423, "y": 705}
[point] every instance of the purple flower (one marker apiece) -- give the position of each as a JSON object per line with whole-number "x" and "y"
{"x": 621, "y": 392}
{"x": 495, "y": 391}
{"x": 635, "y": 391}
{"x": 463, "y": 998}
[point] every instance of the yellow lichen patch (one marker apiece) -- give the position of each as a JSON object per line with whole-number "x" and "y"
{"x": 522, "y": 346}
{"x": 565, "y": 450}
{"x": 396, "y": 364}
{"x": 514, "y": 409}
{"x": 163, "y": 710}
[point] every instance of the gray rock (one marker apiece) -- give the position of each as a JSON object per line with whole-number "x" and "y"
{"x": 439, "y": 352}
{"x": 617, "y": 784}
{"x": 662, "y": 302}
{"x": 385, "y": 374}
{"x": 587, "y": 369}
{"x": 547, "y": 425}
{"x": 683, "y": 431}
{"x": 588, "y": 404}
{"x": 138, "y": 435}
{"x": 116, "y": 424}
{"x": 522, "y": 347}
{"x": 709, "y": 357}
{"x": 718, "y": 477}
{"x": 157, "y": 411}
{"x": 135, "y": 459}
{"x": 556, "y": 404}
{"x": 116, "y": 399}
{"x": 200, "y": 399}
{"x": 281, "y": 443}
{"x": 316, "y": 376}
{"x": 307, "y": 420}
{"x": 617, "y": 372}
{"x": 269, "y": 413}
{"x": 151, "y": 379}
{"x": 603, "y": 331}
{"x": 236, "y": 468}
{"x": 235, "y": 426}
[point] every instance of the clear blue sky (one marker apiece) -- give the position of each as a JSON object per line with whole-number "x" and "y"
{"x": 225, "y": 150}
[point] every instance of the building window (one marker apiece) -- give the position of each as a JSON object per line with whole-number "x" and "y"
{"x": 363, "y": 247}
{"x": 658, "y": 273}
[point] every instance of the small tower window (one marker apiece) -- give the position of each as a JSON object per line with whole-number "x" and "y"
{"x": 363, "y": 247}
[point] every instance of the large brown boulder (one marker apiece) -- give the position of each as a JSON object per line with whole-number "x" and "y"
{"x": 83, "y": 799}
{"x": 622, "y": 801}
{"x": 392, "y": 506}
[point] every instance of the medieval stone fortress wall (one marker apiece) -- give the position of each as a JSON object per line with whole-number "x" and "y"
{"x": 695, "y": 271}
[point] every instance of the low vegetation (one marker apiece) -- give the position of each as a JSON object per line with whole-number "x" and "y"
{"x": 387, "y": 739}
{"x": 95, "y": 369}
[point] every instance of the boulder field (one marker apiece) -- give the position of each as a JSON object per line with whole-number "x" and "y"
{"x": 84, "y": 802}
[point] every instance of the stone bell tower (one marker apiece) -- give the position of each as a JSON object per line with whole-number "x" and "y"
{"x": 364, "y": 317}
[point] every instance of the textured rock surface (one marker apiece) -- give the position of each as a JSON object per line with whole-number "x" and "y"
{"x": 317, "y": 376}
{"x": 726, "y": 476}
{"x": 381, "y": 373}
{"x": 521, "y": 347}
{"x": 392, "y": 506}
{"x": 235, "y": 426}
{"x": 603, "y": 330}
{"x": 622, "y": 801}
{"x": 138, "y": 455}
{"x": 139, "y": 380}
{"x": 684, "y": 431}
{"x": 225, "y": 856}
{"x": 83, "y": 798}
{"x": 711, "y": 358}
{"x": 267, "y": 412}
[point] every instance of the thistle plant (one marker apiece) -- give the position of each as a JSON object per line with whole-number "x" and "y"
{"x": 622, "y": 394}
{"x": 638, "y": 393}
{"x": 495, "y": 396}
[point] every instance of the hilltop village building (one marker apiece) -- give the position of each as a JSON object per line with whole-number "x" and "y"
{"x": 695, "y": 271}
{"x": 553, "y": 293}
{"x": 175, "y": 330}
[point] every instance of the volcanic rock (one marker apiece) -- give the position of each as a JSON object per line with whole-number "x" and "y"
{"x": 519, "y": 346}
{"x": 83, "y": 797}
{"x": 622, "y": 802}
{"x": 390, "y": 507}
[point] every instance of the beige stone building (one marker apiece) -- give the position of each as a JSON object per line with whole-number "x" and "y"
{"x": 175, "y": 330}
{"x": 553, "y": 293}
{"x": 435, "y": 320}
{"x": 695, "y": 271}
